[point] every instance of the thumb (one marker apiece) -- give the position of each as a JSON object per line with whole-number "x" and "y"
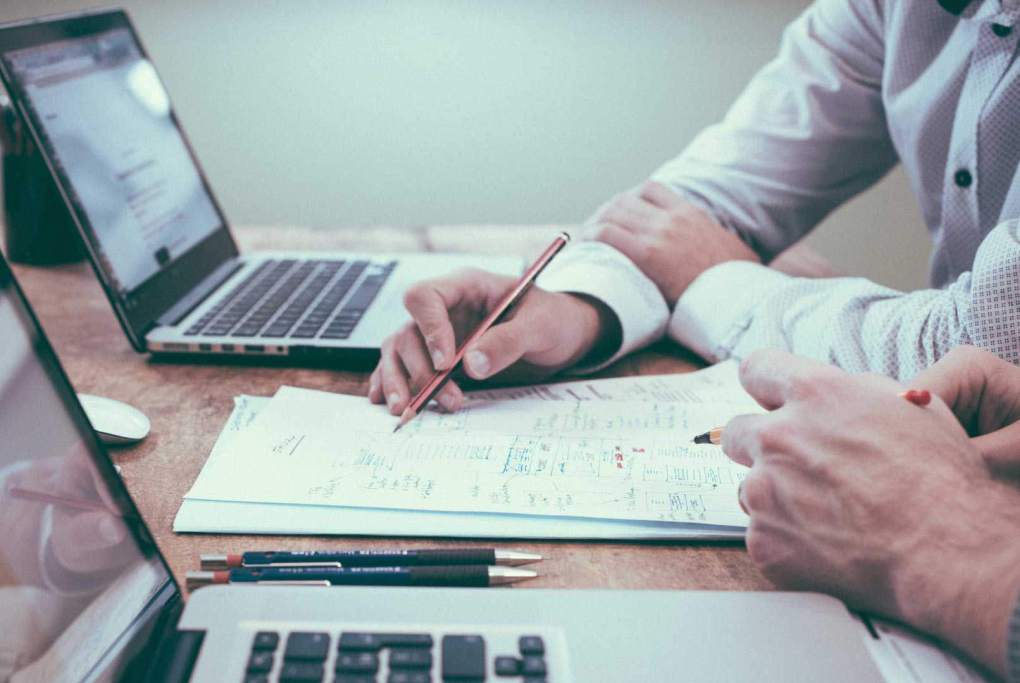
{"x": 499, "y": 348}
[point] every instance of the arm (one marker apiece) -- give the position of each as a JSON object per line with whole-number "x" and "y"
{"x": 851, "y": 322}
{"x": 889, "y": 506}
{"x": 807, "y": 133}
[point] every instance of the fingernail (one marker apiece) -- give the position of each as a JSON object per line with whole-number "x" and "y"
{"x": 478, "y": 363}
{"x": 447, "y": 402}
{"x": 438, "y": 359}
{"x": 393, "y": 399}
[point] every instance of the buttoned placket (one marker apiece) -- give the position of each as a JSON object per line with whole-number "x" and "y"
{"x": 995, "y": 43}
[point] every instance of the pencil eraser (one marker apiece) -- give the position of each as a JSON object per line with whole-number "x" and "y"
{"x": 233, "y": 561}
{"x": 221, "y": 577}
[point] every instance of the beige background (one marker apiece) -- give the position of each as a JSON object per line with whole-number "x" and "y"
{"x": 345, "y": 112}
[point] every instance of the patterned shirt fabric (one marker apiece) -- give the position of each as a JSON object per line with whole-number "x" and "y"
{"x": 858, "y": 86}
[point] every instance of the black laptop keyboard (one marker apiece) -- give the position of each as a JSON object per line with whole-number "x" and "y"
{"x": 296, "y": 298}
{"x": 307, "y": 657}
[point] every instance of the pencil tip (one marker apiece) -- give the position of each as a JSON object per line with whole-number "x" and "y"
{"x": 397, "y": 428}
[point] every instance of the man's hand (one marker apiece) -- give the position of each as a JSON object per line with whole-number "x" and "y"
{"x": 984, "y": 392}
{"x": 856, "y": 492}
{"x": 545, "y": 333}
{"x": 671, "y": 241}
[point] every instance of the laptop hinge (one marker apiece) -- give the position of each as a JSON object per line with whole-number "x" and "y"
{"x": 199, "y": 293}
{"x": 174, "y": 664}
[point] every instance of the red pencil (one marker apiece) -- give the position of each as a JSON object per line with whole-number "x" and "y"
{"x": 508, "y": 301}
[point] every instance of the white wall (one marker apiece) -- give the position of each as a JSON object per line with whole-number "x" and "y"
{"x": 328, "y": 112}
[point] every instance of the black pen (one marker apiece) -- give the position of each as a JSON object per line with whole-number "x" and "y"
{"x": 463, "y": 576}
{"x": 369, "y": 558}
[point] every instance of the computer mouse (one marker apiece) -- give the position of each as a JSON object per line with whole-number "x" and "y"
{"x": 115, "y": 422}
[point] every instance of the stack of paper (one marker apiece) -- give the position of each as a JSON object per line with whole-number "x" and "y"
{"x": 588, "y": 459}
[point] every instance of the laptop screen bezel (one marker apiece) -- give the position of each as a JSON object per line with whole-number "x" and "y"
{"x": 168, "y": 596}
{"x": 139, "y": 310}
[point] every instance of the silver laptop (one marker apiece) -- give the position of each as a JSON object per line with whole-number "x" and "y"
{"x": 85, "y": 595}
{"x": 158, "y": 241}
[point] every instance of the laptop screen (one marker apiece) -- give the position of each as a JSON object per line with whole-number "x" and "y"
{"x": 106, "y": 125}
{"x": 106, "y": 118}
{"x": 77, "y": 577}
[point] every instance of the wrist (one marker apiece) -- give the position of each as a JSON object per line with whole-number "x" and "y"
{"x": 963, "y": 586}
{"x": 600, "y": 331}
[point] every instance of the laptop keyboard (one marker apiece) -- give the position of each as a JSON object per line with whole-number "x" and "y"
{"x": 399, "y": 657}
{"x": 296, "y": 298}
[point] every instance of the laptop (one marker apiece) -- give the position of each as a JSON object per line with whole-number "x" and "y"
{"x": 85, "y": 594}
{"x": 158, "y": 240}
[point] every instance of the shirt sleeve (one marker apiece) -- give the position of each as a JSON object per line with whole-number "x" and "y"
{"x": 603, "y": 273}
{"x": 808, "y": 132}
{"x": 738, "y": 307}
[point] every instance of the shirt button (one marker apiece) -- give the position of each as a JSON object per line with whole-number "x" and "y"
{"x": 963, "y": 178}
{"x": 1001, "y": 30}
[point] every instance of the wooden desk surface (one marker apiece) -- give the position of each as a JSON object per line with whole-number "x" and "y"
{"x": 189, "y": 404}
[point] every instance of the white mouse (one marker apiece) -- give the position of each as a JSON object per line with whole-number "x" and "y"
{"x": 115, "y": 422}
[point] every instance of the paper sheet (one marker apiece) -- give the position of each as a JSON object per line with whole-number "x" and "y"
{"x": 214, "y": 516}
{"x": 603, "y": 459}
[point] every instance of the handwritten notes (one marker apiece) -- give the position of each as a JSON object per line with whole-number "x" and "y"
{"x": 556, "y": 455}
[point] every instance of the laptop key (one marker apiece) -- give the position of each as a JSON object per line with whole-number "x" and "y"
{"x": 265, "y": 640}
{"x": 301, "y": 672}
{"x": 531, "y": 645}
{"x": 357, "y": 662}
{"x": 355, "y": 678}
{"x": 375, "y": 641}
{"x": 463, "y": 657}
{"x": 256, "y": 678}
{"x": 532, "y": 665}
{"x": 311, "y": 646}
{"x": 260, "y": 662}
{"x": 417, "y": 658}
{"x": 507, "y": 666}
{"x": 409, "y": 677}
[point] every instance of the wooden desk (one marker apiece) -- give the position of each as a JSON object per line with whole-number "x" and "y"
{"x": 188, "y": 405}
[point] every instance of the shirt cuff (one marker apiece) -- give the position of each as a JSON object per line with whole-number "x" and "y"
{"x": 1013, "y": 646}
{"x": 712, "y": 314}
{"x": 598, "y": 270}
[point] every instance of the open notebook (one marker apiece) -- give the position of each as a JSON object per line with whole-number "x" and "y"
{"x": 592, "y": 459}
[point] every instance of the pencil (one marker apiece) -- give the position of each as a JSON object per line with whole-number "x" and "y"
{"x": 919, "y": 397}
{"x": 505, "y": 305}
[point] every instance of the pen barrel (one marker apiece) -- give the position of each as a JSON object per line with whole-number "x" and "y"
{"x": 463, "y": 575}
{"x": 371, "y": 558}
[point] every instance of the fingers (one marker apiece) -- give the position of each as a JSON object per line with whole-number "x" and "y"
{"x": 82, "y": 541}
{"x": 429, "y": 304}
{"x": 741, "y": 438}
{"x": 633, "y": 213}
{"x": 624, "y": 241}
{"x": 1001, "y": 450}
{"x": 404, "y": 368}
{"x": 661, "y": 196}
{"x": 773, "y": 377}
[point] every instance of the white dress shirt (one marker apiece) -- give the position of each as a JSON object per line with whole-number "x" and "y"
{"x": 858, "y": 86}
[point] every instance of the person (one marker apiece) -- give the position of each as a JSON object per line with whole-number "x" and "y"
{"x": 904, "y": 511}
{"x": 856, "y": 88}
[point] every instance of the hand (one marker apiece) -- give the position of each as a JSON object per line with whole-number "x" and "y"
{"x": 984, "y": 392}
{"x": 544, "y": 333}
{"x": 670, "y": 240}
{"x": 856, "y": 492}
